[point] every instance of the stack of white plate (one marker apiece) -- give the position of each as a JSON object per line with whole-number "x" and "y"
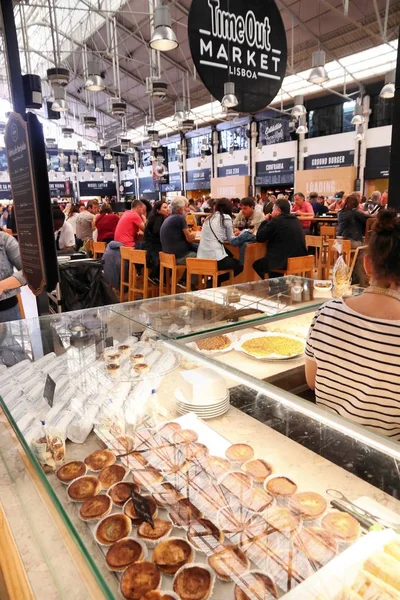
{"x": 203, "y": 411}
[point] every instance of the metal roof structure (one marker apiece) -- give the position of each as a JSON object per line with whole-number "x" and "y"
{"x": 358, "y": 36}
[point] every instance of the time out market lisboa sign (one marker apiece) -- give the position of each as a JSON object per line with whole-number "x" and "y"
{"x": 239, "y": 41}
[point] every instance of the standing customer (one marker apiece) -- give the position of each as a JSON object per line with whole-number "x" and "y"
{"x": 10, "y": 280}
{"x": 353, "y": 348}
{"x": 106, "y": 223}
{"x": 131, "y": 225}
{"x": 72, "y": 216}
{"x": 175, "y": 236}
{"x": 217, "y": 229}
{"x": 352, "y": 222}
{"x": 84, "y": 222}
{"x": 302, "y": 208}
{"x": 151, "y": 238}
{"x": 63, "y": 232}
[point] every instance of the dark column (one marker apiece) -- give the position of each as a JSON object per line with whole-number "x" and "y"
{"x": 394, "y": 176}
{"x": 39, "y": 168}
{"x": 13, "y": 65}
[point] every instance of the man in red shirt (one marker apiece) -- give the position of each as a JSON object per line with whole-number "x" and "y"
{"x": 131, "y": 225}
{"x": 302, "y": 208}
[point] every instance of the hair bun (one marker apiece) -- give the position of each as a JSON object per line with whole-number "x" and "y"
{"x": 387, "y": 222}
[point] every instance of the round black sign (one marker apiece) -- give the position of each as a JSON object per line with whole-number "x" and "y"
{"x": 242, "y": 41}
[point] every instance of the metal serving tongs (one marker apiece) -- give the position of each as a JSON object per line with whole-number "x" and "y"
{"x": 365, "y": 518}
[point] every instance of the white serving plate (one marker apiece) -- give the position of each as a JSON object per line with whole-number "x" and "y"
{"x": 203, "y": 412}
{"x": 231, "y": 336}
{"x": 203, "y": 416}
{"x": 252, "y": 336}
{"x": 181, "y": 399}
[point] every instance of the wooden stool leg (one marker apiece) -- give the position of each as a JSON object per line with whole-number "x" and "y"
{"x": 145, "y": 283}
{"x": 161, "y": 280}
{"x": 215, "y": 280}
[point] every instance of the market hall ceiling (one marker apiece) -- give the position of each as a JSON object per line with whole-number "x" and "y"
{"x": 340, "y": 27}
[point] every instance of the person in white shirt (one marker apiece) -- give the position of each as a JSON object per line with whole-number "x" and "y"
{"x": 72, "y": 216}
{"x": 63, "y": 232}
{"x": 217, "y": 229}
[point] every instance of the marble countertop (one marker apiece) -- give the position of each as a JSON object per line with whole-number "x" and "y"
{"x": 53, "y": 573}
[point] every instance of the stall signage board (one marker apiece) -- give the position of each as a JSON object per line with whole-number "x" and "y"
{"x": 377, "y": 163}
{"x": 97, "y": 188}
{"x": 25, "y": 201}
{"x": 199, "y": 179}
{"x": 276, "y": 132}
{"x": 60, "y": 188}
{"x": 5, "y": 191}
{"x": 174, "y": 185}
{"x": 275, "y": 172}
{"x": 233, "y": 171}
{"x": 241, "y": 41}
{"x": 331, "y": 160}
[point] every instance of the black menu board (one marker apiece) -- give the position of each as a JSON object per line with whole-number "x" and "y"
{"x": 25, "y": 201}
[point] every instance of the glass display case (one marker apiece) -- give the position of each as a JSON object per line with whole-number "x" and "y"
{"x": 253, "y": 492}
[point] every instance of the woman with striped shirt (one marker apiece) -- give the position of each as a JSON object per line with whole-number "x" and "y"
{"x": 353, "y": 348}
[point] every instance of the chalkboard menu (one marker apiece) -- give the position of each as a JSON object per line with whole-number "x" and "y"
{"x": 25, "y": 201}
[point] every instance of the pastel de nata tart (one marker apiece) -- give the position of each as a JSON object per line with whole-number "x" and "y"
{"x": 216, "y": 466}
{"x": 308, "y": 505}
{"x": 227, "y": 561}
{"x": 195, "y": 450}
{"x": 281, "y": 486}
{"x": 184, "y": 512}
{"x": 147, "y": 477}
{"x": 111, "y": 475}
{"x": 113, "y": 528}
{"x": 123, "y": 553}
{"x": 84, "y": 487}
{"x": 170, "y": 555}
{"x": 342, "y": 526}
{"x": 168, "y": 429}
{"x": 124, "y": 349}
{"x": 123, "y": 443}
{"x": 283, "y": 520}
{"x": 184, "y": 436}
{"x": 95, "y": 508}
{"x": 113, "y": 369}
{"x": 204, "y": 535}
{"x": 194, "y": 582}
{"x": 157, "y": 595}
{"x": 255, "y": 585}
{"x": 129, "y": 510}
{"x": 239, "y": 453}
{"x": 317, "y": 544}
{"x": 167, "y": 495}
{"x": 256, "y": 500}
{"x": 258, "y": 469}
{"x": 122, "y": 491}
{"x": 99, "y": 459}
{"x": 71, "y": 471}
{"x": 237, "y": 483}
{"x": 141, "y": 368}
{"x": 151, "y": 535}
{"x": 139, "y": 579}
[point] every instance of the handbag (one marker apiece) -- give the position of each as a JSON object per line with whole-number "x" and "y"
{"x": 229, "y": 253}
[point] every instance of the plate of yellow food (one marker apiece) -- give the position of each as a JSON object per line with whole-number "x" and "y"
{"x": 217, "y": 344}
{"x": 271, "y": 346}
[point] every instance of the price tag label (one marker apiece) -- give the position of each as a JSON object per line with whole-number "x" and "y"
{"x": 142, "y": 508}
{"x": 49, "y": 390}
{"x": 109, "y": 342}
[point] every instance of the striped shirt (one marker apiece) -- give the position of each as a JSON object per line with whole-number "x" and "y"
{"x": 358, "y": 366}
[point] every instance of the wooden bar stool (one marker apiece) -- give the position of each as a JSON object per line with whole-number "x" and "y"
{"x": 125, "y": 266}
{"x": 327, "y": 232}
{"x": 302, "y": 266}
{"x": 170, "y": 273}
{"x": 317, "y": 242}
{"x": 205, "y": 267}
{"x": 139, "y": 283}
{"x": 98, "y": 249}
